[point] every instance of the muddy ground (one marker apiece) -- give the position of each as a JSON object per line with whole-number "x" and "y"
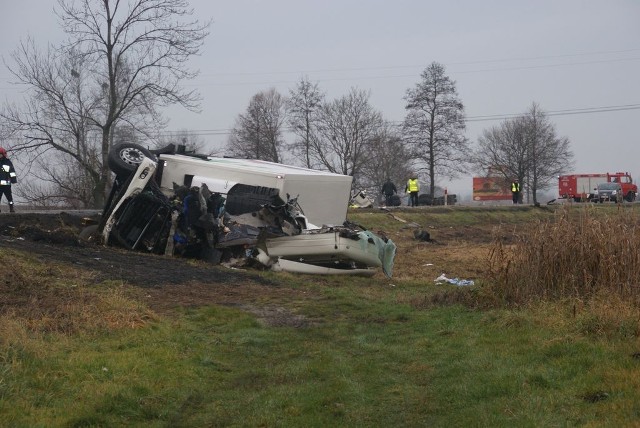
{"x": 54, "y": 237}
{"x": 167, "y": 283}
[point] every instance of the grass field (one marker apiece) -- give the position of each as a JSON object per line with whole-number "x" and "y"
{"x": 323, "y": 351}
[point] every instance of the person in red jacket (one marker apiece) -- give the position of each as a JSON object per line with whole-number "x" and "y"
{"x": 7, "y": 178}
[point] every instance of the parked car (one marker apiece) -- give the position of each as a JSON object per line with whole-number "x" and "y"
{"x": 236, "y": 214}
{"x": 608, "y": 192}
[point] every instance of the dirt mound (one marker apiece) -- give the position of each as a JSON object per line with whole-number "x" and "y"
{"x": 54, "y": 228}
{"x": 54, "y": 238}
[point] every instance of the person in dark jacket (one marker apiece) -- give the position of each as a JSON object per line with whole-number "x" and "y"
{"x": 388, "y": 190}
{"x": 7, "y": 178}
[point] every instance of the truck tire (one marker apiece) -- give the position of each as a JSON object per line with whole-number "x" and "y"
{"x": 89, "y": 233}
{"x": 124, "y": 158}
{"x": 630, "y": 197}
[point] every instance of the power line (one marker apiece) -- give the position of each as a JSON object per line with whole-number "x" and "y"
{"x": 421, "y": 66}
{"x": 402, "y": 76}
{"x": 477, "y": 118}
{"x": 397, "y": 67}
{"x": 566, "y": 112}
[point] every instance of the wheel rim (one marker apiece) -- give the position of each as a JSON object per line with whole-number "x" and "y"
{"x": 131, "y": 156}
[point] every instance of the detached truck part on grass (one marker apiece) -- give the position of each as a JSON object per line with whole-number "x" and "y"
{"x": 324, "y": 196}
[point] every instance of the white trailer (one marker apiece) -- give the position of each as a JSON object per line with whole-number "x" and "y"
{"x": 323, "y": 196}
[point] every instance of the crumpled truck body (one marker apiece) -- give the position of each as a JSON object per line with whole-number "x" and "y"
{"x": 324, "y": 196}
{"x": 241, "y": 213}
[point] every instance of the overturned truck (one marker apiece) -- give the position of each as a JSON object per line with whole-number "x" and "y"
{"x": 237, "y": 212}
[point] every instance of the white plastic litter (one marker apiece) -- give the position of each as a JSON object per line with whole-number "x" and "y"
{"x": 455, "y": 281}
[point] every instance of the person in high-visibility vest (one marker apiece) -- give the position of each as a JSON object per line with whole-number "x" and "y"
{"x": 515, "y": 191}
{"x": 413, "y": 187}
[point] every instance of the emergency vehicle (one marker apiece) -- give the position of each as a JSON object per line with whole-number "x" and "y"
{"x": 581, "y": 187}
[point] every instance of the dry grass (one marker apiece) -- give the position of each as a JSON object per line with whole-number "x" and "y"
{"x": 47, "y": 297}
{"x": 580, "y": 254}
{"x": 578, "y": 269}
{"x": 416, "y": 260}
{"x": 605, "y": 316}
{"x": 577, "y": 258}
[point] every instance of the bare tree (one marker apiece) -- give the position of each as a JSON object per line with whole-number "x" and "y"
{"x": 56, "y": 180}
{"x": 549, "y": 154}
{"x": 502, "y": 151}
{"x": 526, "y": 148}
{"x": 303, "y": 106}
{"x": 257, "y": 133}
{"x": 347, "y": 128}
{"x": 389, "y": 158}
{"x": 434, "y": 125}
{"x": 133, "y": 56}
{"x": 54, "y": 118}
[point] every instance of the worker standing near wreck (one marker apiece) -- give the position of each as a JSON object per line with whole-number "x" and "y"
{"x": 412, "y": 188}
{"x": 7, "y": 178}
{"x": 388, "y": 190}
{"x": 515, "y": 191}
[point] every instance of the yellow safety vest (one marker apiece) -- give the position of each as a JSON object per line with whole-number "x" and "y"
{"x": 515, "y": 187}
{"x": 412, "y": 185}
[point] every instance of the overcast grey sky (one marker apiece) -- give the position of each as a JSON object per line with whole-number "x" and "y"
{"x": 574, "y": 58}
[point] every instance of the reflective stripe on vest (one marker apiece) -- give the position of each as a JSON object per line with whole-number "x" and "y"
{"x": 5, "y": 183}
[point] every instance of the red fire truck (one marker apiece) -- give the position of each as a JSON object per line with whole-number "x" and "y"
{"x": 580, "y": 187}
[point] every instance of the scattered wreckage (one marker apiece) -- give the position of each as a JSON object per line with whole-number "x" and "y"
{"x": 238, "y": 213}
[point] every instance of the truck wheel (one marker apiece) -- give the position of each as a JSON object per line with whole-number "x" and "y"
{"x": 630, "y": 197}
{"x": 88, "y": 234}
{"x": 124, "y": 158}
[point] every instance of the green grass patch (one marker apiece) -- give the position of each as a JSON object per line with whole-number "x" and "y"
{"x": 317, "y": 351}
{"x": 364, "y": 361}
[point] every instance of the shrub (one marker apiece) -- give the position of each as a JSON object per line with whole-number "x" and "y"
{"x": 578, "y": 254}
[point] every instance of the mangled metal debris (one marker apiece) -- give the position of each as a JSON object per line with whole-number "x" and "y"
{"x": 225, "y": 215}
